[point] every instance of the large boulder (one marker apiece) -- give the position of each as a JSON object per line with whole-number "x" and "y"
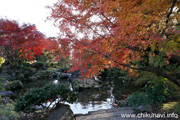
{"x": 8, "y": 94}
{"x": 75, "y": 75}
{"x": 62, "y": 112}
{"x": 14, "y": 85}
{"x": 65, "y": 75}
{"x": 79, "y": 82}
{"x": 93, "y": 82}
{"x": 44, "y": 74}
{"x": 144, "y": 108}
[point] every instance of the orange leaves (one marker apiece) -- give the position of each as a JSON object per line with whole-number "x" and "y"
{"x": 118, "y": 31}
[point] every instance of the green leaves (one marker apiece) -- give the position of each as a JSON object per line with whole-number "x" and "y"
{"x": 158, "y": 60}
{"x": 38, "y": 96}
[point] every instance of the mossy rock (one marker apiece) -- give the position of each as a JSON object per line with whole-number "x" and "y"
{"x": 13, "y": 85}
{"x": 45, "y": 74}
{"x": 122, "y": 103}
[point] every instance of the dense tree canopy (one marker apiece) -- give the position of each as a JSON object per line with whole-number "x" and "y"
{"x": 134, "y": 34}
{"x": 26, "y": 42}
{"x": 19, "y": 41}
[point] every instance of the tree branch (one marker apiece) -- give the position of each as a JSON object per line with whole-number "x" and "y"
{"x": 171, "y": 10}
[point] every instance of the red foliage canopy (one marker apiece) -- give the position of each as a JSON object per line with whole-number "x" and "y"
{"x": 25, "y": 40}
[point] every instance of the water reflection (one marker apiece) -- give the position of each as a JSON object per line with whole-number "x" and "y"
{"x": 79, "y": 108}
{"x": 101, "y": 98}
{"x": 94, "y": 99}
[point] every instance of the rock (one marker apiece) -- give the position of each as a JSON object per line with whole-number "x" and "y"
{"x": 84, "y": 83}
{"x": 58, "y": 74}
{"x": 9, "y": 94}
{"x": 13, "y": 85}
{"x": 79, "y": 83}
{"x": 6, "y": 82}
{"x": 61, "y": 70}
{"x": 5, "y": 100}
{"x": 147, "y": 108}
{"x": 122, "y": 103}
{"x": 108, "y": 114}
{"x": 62, "y": 112}
{"x": 65, "y": 75}
{"x": 44, "y": 68}
{"x": 44, "y": 74}
{"x": 75, "y": 75}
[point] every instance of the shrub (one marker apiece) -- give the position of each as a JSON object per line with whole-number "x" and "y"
{"x": 40, "y": 65}
{"x": 138, "y": 98}
{"x": 39, "y": 96}
{"x": 7, "y": 112}
{"x": 154, "y": 94}
{"x": 2, "y": 79}
{"x": 157, "y": 92}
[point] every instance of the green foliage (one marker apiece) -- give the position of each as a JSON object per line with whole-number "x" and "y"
{"x": 7, "y": 112}
{"x": 42, "y": 58}
{"x": 64, "y": 63}
{"x": 114, "y": 72}
{"x": 158, "y": 60}
{"x": 155, "y": 92}
{"x": 138, "y": 98}
{"x": 53, "y": 65}
{"x": 2, "y": 83}
{"x": 171, "y": 107}
{"x": 37, "y": 96}
{"x": 40, "y": 65}
{"x": 145, "y": 77}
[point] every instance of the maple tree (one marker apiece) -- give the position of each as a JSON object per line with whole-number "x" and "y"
{"x": 121, "y": 33}
{"x": 56, "y": 49}
{"x": 19, "y": 41}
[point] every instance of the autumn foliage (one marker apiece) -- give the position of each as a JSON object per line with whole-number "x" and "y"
{"x": 26, "y": 42}
{"x": 134, "y": 34}
{"x": 19, "y": 41}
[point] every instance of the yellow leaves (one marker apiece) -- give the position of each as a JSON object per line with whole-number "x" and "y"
{"x": 179, "y": 40}
{"x": 2, "y": 60}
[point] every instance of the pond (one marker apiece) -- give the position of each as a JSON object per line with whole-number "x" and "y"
{"x": 105, "y": 97}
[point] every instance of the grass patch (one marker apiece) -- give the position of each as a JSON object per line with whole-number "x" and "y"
{"x": 172, "y": 107}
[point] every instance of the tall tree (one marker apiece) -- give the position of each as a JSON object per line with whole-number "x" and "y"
{"x": 122, "y": 33}
{"x": 19, "y": 41}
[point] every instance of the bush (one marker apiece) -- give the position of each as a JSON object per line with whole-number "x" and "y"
{"x": 157, "y": 92}
{"x": 138, "y": 98}
{"x": 38, "y": 96}
{"x": 40, "y": 65}
{"x": 2, "y": 79}
{"x": 154, "y": 94}
{"x": 7, "y": 112}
